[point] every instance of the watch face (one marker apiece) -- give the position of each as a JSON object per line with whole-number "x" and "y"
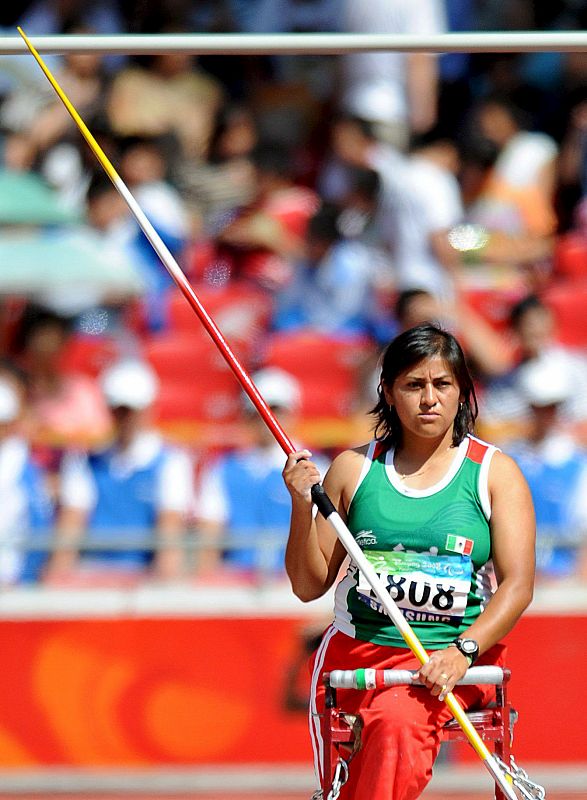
{"x": 469, "y": 646}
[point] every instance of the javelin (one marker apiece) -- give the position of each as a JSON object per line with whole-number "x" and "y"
{"x": 319, "y": 496}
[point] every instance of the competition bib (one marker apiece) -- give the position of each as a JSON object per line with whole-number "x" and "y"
{"x": 425, "y": 587}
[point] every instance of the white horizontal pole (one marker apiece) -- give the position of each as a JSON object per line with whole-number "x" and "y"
{"x": 300, "y": 43}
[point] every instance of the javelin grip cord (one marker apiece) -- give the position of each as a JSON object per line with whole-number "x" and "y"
{"x": 321, "y": 500}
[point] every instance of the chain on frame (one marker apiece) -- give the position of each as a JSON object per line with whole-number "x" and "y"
{"x": 341, "y": 776}
{"x": 528, "y": 788}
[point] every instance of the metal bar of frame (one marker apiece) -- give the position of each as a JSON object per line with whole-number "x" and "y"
{"x": 300, "y": 43}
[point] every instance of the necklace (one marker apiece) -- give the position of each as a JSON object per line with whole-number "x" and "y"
{"x": 403, "y": 475}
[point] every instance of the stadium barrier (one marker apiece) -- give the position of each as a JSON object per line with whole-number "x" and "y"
{"x": 208, "y": 673}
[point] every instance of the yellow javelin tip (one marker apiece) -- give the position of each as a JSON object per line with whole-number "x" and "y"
{"x": 86, "y": 133}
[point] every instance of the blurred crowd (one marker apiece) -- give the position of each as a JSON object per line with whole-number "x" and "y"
{"x": 318, "y": 205}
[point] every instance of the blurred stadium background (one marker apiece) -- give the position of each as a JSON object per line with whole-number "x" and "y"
{"x": 318, "y": 204}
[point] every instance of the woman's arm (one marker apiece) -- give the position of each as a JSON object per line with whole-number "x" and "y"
{"x": 314, "y": 555}
{"x": 513, "y": 541}
{"x": 513, "y": 533}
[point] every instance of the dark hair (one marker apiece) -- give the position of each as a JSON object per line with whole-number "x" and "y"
{"x": 408, "y": 349}
{"x": 36, "y": 318}
{"x": 99, "y": 186}
{"x": 273, "y": 158}
{"x": 324, "y": 224}
{"x": 126, "y": 143}
{"x": 365, "y": 182}
{"x": 404, "y": 298}
{"x": 519, "y": 310}
{"x": 224, "y": 120}
{"x": 478, "y": 151}
{"x": 438, "y": 134}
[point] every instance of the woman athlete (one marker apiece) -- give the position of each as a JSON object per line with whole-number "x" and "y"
{"x": 447, "y": 521}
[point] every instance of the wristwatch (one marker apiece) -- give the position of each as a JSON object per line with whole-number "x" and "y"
{"x": 468, "y": 647}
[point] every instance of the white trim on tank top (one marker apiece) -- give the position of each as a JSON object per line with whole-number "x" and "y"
{"x": 367, "y": 461}
{"x": 458, "y": 460}
{"x": 483, "y": 485}
{"x": 408, "y": 491}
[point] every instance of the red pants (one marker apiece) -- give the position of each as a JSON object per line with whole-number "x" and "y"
{"x": 401, "y": 724}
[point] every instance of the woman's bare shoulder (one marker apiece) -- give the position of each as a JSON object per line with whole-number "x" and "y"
{"x": 348, "y": 463}
{"x": 503, "y": 467}
{"x": 352, "y": 455}
{"x": 505, "y": 475}
{"x": 344, "y": 473}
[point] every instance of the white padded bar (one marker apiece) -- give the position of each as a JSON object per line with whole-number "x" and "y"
{"x": 347, "y": 678}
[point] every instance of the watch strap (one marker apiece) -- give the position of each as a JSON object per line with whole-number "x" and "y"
{"x": 470, "y": 658}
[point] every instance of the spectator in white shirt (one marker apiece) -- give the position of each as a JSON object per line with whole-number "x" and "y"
{"x": 504, "y": 403}
{"x": 24, "y": 498}
{"x": 419, "y": 202}
{"x": 241, "y": 493}
{"x": 395, "y": 91}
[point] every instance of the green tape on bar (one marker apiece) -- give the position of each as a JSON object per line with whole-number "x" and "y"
{"x": 361, "y": 682}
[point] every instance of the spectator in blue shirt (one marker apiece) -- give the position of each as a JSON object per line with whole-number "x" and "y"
{"x": 241, "y": 494}
{"x": 135, "y": 488}
{"x": 332, "y": 289}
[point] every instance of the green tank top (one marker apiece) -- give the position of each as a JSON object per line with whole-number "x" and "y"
{"x": 431, "y": 547}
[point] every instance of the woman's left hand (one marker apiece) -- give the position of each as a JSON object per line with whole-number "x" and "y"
{"x": 442, "y": 671}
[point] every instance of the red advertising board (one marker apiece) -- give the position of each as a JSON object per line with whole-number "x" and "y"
{"x": 138, "y": 692}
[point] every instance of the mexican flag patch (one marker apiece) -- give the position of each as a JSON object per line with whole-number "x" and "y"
{"x": 458, "y": 544}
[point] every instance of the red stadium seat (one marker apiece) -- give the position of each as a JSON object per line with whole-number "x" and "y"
{"x": 494, "y": 305}
{"x": 195, "y": 381}
{"x": 568, "y": 302}
{"x": 188, "y": 357}
{"x": 240, "y": 310}
{"x": 322, "y": 398}
{"x": 570, "y": 256}
{"x": 89, "y": 355}
{"x": 312, "y": 354}
{"x": 327, "y": 368}
{"x": 210, "y": 400}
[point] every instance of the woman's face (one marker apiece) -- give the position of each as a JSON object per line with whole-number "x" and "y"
{"x": 426, "y": 398}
